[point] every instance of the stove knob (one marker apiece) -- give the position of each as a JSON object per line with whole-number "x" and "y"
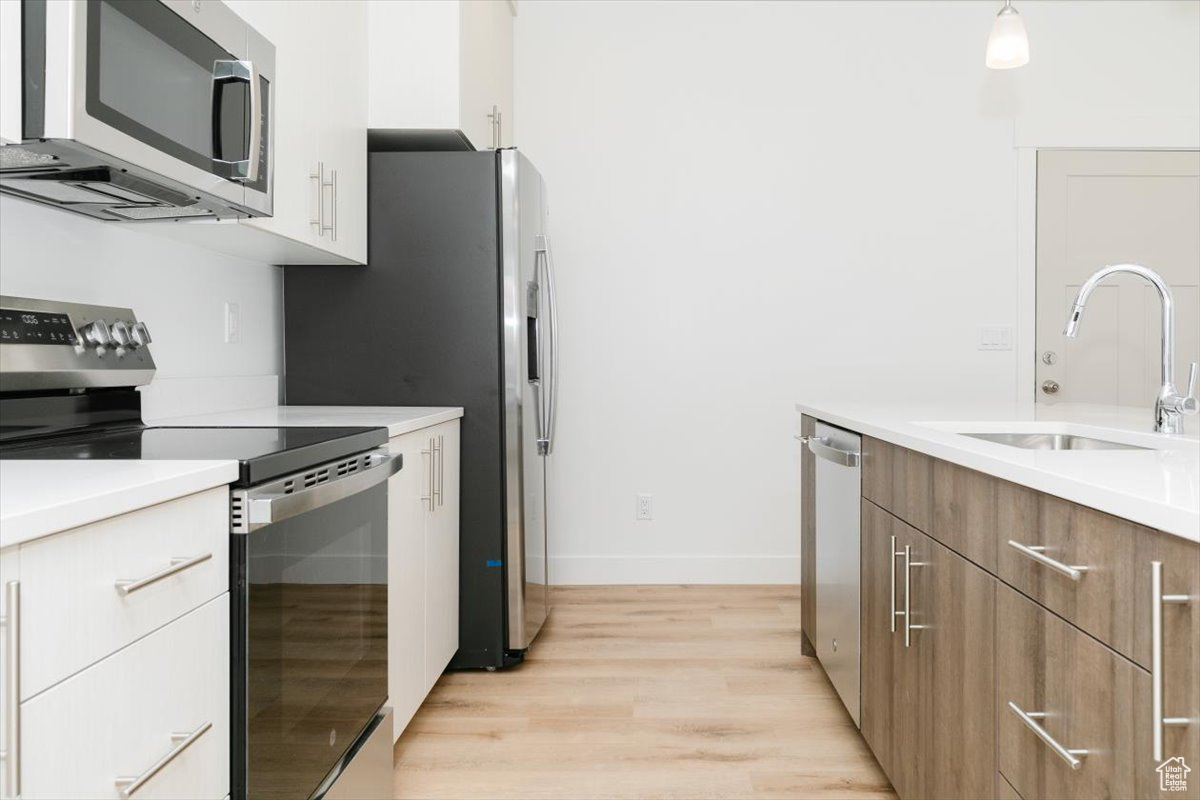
{"x": 120, "y": 334}
{"x": 97, "y": 334}
{"x": 141, "y": 334}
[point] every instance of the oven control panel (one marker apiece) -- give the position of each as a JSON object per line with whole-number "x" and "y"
{"x": 35, "y": 327}
{"x": 46, "y": 344}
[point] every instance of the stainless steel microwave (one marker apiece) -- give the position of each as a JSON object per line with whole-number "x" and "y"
{"x": 143, "y": 110}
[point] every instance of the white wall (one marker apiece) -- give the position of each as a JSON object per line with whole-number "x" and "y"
{"x": 178, "y": 290}
{"x": 753, "y": 203}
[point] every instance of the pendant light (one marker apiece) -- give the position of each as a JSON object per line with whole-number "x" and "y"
{"x": 1008, "y": 46}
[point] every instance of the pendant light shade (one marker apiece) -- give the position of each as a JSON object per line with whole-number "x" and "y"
{"x": 1008, "y": 46}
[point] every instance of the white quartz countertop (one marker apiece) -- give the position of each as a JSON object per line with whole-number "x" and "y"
{"x": 38, "y": 498}
{"x": 397, "y": 419}
{"x": 1157, "y": 487}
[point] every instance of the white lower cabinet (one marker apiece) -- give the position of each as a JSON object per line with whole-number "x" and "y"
{"x": 72, "y": 611}
{"x": 114, "y": 656}
{"x": 423, "y": 522}
{"x": 121, "y": 718}
{"x": 10, "y": 583}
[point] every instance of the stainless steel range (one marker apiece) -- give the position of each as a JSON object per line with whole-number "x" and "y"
{"x": 308, "y": 545}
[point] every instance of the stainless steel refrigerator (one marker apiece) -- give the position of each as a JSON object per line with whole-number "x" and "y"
{"x": 455, "y": 307}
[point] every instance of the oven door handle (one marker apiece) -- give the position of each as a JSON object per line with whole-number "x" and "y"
{"x": 268, "y": 508}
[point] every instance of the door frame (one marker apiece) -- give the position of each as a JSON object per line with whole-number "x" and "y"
{"x": 1071, "y": 132}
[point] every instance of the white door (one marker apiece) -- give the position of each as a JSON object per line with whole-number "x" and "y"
{"x": 1096, "y": 208}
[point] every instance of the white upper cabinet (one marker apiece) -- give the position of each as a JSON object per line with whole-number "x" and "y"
{"x": 319, "y": 139}
{"x": 320, "y": 122}
{"x": 443, "y": 65}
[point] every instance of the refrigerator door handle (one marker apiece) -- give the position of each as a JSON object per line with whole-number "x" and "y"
{"x": 552, "y": 391}
{"x": 540, "y": 383}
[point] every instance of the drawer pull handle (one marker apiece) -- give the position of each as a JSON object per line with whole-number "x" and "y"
{"x": 177, "y": 565}
{"x": 127, "y": 786}
{"x": 1037, "y": 553}
{"x": 1030, "y": 718}
{"x": 1157, "y": 600}
{"x": 894, "y": 555}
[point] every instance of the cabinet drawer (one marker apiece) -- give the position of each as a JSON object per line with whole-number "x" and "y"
{"x": 1100, "y": 598}
{"x": 973, "y": 512}
{"x": 72, "y": 613}
{"x": 117, "y": 718}
{"x": 898, "y": 480}
{"x": 1085, "y": 691}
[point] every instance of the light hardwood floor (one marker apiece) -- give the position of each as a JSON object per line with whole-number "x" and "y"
{"x": 645, "y": 692}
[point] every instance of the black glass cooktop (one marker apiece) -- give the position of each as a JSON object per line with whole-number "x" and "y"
{"x": 264, "y": 453}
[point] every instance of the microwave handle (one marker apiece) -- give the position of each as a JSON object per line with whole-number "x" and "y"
{"x": 246, "y": 170}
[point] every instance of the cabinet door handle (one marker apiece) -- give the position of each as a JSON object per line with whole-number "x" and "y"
{"x": 1030, "y": 718}
{"x": 441, "y": 450}
{"x": 127, "y": 786}
{"x": 893, "y": 554}
{"x": 1157, "y": 600}
{"x": 127, "y": 587}
{"x": 435, "y": 466}
{"x": 429, "y": 483}
{"x": 1036, "y": 552}
{"x": 319, "y": 177}
{"x": 907, "y": 595}
{"x": 11, "y": 622}
{"x": 333, "y": 205}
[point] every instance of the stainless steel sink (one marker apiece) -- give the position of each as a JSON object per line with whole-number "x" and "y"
{"x": 1052, "y": 441}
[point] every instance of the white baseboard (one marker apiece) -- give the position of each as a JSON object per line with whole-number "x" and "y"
{"x": 632, "y": 570}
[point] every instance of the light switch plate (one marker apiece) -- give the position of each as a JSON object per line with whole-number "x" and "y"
{"x": 995, "y": 337}
{"x": 233, "y": 323}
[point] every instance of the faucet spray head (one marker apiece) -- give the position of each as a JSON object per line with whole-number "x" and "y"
{"x": 1072, "y": 327}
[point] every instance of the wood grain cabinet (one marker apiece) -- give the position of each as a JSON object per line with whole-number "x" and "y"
{"x": 808, "y": 540}
{"x": 928, "y": 662}
{"x": 899, "y": 480}
{"x": 1012, "y": 641}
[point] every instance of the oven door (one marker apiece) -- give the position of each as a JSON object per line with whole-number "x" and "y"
{"x": 179, "y": 88}
{"x": 310, "y": 625}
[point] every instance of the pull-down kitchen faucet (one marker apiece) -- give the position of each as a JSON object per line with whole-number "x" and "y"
{"x": 1170, "y": 405}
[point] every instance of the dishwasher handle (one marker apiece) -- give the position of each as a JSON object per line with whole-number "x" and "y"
{"x": 822, "y": 449}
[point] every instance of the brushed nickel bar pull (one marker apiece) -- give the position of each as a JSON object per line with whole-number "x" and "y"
{"x": 1157, "y": 600}
{"x": 441, "y": 451}
{"x": 435, "y": 476}
{"x": 1037, "y": 553}
{"x": 128, "y": 587}
{"x": 429, "y": 495}
{"x": 333, "y": 205}
{"x": 1030, "y": 718}
{"x": 11, "y": 623}
{"x": 892, "y": 595}
{"x": 126, "y": 787}
{"x": 319, "y": 177}
{"x": 907, "y": 594}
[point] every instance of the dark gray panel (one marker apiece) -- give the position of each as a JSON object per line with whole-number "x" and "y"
{"x": 420, "y": 326}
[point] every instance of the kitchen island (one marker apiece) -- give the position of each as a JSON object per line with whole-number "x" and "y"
{"x": 1029, "y": 619}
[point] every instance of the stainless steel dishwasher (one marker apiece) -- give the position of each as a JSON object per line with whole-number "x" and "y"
{"x": 839, "y": 489}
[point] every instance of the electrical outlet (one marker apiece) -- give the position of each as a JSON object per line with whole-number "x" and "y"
{"x": 645, "y": 506}
{"x": 233, "y": 323}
